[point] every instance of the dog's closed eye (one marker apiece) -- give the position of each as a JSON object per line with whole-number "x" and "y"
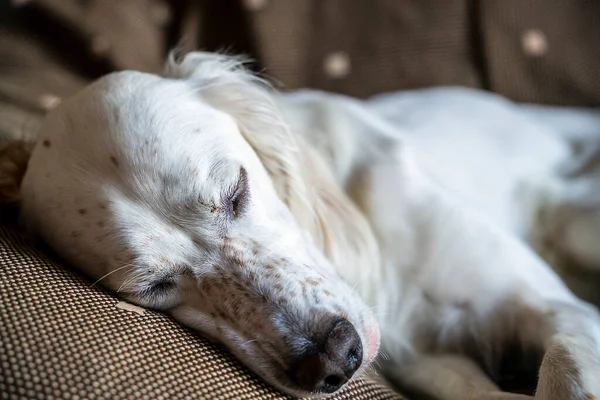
{"x": 235, "y": 200}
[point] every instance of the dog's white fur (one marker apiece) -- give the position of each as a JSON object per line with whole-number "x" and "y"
{"x": 132, "y": 180}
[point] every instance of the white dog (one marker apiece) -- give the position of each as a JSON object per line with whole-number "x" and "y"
{"x": 294, "y": 228}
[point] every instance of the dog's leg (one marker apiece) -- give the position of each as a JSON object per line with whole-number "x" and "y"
{"x": 447, "y": 377}
{"x": 568, "y": 227}
{"x": 567, "y": 235}
{"x": 567, "y": 331}
{"x": 570, "y": 369}
{"x": 570, "y": 223}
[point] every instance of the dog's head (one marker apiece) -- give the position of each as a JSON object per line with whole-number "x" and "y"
{"x": 163, "y": 189}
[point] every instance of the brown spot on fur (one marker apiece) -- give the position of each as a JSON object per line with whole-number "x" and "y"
{"x": 589, "y": 396}
{"x": 269, "y": 266}
{"x": 278, "y": 287}
{"x": 46, "y": 143}
{"x": 82, "y": 211}
{"x": 312, "y": 282}
{"x": 115, "y": 161}
{"x": 326, "y": 292}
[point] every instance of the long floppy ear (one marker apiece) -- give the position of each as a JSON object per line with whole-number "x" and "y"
{"x": 320, "y": 207}
{"x": 227, "y": 85}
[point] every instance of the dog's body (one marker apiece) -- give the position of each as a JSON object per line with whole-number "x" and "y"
{"x": 174, "y": 192}
{"x": 452, "y": 210}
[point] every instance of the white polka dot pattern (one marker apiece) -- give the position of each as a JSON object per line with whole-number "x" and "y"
{"x": 62, "y": 339}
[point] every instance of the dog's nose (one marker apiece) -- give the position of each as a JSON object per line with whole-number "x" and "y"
{"x": 337, "y": 357}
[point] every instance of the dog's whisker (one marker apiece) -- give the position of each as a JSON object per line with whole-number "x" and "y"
{"x": 248, "y": 342}
{"x": 371, "y": 369}
{"x": 385, "y": 355}
{"x": 381, "y": 314}
{"x": 129, "y": 280}
{"x": 125, "y": 284}
{"x": 112, "y": 272}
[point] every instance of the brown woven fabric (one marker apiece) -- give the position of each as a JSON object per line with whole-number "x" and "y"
{"x": 62, "y": 339}
{"x": 389, "y": 44}
{"x": 544, "y": 51}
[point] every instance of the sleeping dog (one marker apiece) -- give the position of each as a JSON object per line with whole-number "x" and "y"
{"x": 299, "y": 229}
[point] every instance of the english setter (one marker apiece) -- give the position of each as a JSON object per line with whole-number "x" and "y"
{"x": 298, "y": 229}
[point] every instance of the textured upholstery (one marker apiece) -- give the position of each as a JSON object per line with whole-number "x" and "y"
{"x": 60, "y": 338}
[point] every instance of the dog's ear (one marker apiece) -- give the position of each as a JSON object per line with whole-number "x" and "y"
{"x": 320, "y": 207}
{"x": 225, "y": 83}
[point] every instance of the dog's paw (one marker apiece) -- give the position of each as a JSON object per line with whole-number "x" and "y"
{"x": 566, "y": 374}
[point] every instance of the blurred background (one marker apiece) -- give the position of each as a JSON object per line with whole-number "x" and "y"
{"x": 540, "y": 51}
